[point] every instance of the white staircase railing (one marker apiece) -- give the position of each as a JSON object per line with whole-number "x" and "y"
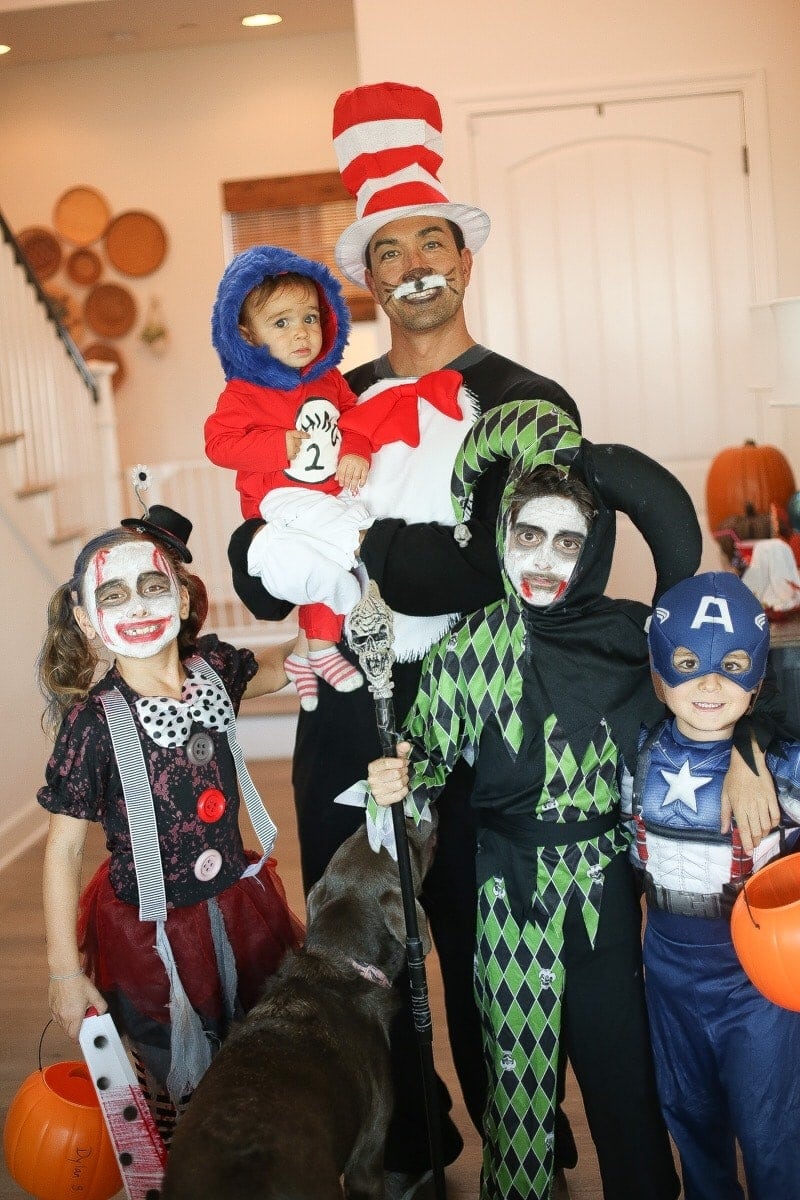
{"x": 56, "y": 416}
{"x": 59, "y": 485}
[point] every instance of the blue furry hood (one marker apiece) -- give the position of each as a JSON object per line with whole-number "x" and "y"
{"x": 255, "y": 364}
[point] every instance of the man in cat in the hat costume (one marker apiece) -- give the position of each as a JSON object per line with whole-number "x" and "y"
{"x": 413, "y": 249}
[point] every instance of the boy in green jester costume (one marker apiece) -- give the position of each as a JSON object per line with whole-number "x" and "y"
{"x": 545, "y": 690}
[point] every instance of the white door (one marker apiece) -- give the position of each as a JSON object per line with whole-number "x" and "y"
{"x": 619, "y": 263}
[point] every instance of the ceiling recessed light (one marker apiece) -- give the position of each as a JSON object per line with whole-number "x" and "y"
{"x": 262, "y": 19}
{"x": 4, "y": 49}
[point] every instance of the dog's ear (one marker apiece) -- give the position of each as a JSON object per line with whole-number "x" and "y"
{"x": 424, "y": 931}
{"x": 316, "y": 898}
{"x": 394, "y": 917}
{"x": 391, "y": 904}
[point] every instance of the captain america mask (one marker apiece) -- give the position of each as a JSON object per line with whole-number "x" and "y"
{"x": 710, "y": 615}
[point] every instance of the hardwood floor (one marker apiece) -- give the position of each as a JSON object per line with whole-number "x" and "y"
{"x": 23, "y": 987}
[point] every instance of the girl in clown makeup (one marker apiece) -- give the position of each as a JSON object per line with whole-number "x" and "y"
{"x": 181, "y": 925}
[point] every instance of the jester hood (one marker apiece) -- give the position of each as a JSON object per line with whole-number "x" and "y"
{"x": 255, "y": 364}
{"x": 583, "y": 657}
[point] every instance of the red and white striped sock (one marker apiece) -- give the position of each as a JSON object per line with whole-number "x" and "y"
{"x": 305, "y": 681}
{"x": 334, "y": 668}
{"x": 162, "y": 1110}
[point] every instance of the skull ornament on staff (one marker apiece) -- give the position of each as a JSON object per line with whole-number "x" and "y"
{"x": 371, "y": 635}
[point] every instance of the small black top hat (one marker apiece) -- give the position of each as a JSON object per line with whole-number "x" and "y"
{"x": 165, "y": 525}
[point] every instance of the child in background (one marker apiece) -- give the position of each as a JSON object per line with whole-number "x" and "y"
{"x": 726, "y": 1057}
{"x": 288, "y": 424}
{"x": 178, "y": 929}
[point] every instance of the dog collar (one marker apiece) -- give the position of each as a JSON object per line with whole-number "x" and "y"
{"x": 372, "y": 973}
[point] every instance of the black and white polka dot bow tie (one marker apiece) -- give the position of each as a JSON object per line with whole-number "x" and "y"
{"x": 169, "y": 722}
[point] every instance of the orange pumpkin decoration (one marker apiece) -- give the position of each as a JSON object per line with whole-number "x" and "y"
{"x": 765, "y": 927}
{"x": 748, "y": 475}
{"x": 55, "y": 1139}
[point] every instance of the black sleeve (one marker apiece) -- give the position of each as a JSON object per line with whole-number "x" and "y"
{"x": 769, "y": 719}
{"x": 655, "y": 500}
{"x": 250, "y": 590}
{"x": 420, "y": 569}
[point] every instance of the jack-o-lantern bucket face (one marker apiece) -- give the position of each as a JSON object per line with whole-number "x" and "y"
{"x": 765, "y": 926}
{"x": 55, "y": 1139}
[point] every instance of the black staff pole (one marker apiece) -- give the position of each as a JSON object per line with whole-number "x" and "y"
{"x": 370, "y": 633}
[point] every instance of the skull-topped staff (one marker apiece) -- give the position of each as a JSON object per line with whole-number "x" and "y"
{"x": 371, "y": 635}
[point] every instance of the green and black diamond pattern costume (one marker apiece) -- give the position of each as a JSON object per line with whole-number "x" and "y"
{"x": 546, "y": 700}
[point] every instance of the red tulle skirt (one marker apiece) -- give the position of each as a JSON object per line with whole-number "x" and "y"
{"x": 120, "y": 953}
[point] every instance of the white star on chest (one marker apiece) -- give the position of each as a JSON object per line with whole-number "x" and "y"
{"x": 683, "y": 786}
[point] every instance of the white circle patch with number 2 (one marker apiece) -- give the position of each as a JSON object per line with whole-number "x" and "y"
{"x": 318, "y": 456}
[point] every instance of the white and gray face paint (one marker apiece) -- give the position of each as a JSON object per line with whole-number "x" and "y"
{"x": 417, "y": 287}
{"x": 133, "y": 599}
{"x": 542, "y": 548}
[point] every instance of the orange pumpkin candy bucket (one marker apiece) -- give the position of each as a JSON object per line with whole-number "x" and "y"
{"x": 765, "y": 927}
{"x": 747, "y": 476}
{"x": 55, "y": 1139}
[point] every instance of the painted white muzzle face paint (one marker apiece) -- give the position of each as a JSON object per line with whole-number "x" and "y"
{"x": 542, "y": 548}
{"x": 416, "y": 287}
{"x": 132, "y": 598}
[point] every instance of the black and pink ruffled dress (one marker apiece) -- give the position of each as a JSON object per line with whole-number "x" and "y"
{"x": 225, "y": 929}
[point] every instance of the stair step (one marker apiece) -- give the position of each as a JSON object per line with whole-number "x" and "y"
{"x": 66, "y": 535}
{"x": 33, "y": 489}
{"x": 8, "y": 439}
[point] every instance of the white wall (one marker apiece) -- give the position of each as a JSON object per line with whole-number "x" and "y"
{"x": 160, "y": 131}
{"x": 457, "y": 50}
{"x": 23, "y": 746}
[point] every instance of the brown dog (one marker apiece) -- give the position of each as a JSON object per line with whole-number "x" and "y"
{"x": 299, "y": 1096}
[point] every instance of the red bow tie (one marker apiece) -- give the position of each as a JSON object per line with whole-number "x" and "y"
{"x": 393, "y": 414}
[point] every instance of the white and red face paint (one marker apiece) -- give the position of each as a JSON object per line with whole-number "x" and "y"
{"x": 542, "y": 547}
{"x": 132, "y": 598}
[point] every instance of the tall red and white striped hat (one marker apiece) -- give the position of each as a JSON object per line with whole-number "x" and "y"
{"x": 388, "y": 142}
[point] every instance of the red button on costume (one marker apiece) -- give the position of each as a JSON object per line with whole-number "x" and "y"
{"x": 210, "y": 805}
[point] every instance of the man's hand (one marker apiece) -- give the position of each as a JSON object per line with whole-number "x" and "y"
{"x": 749, "y": 799}
{"x": 352, "y": 472}
{"x": 294, "y": 440}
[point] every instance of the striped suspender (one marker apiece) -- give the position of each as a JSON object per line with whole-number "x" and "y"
{"x": 139, "y": 803}
{"x": 259, "y": 817}
{"x": 139, "y": 796}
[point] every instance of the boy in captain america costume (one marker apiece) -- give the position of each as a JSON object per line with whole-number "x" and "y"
{"x": 726, "y": 1057}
